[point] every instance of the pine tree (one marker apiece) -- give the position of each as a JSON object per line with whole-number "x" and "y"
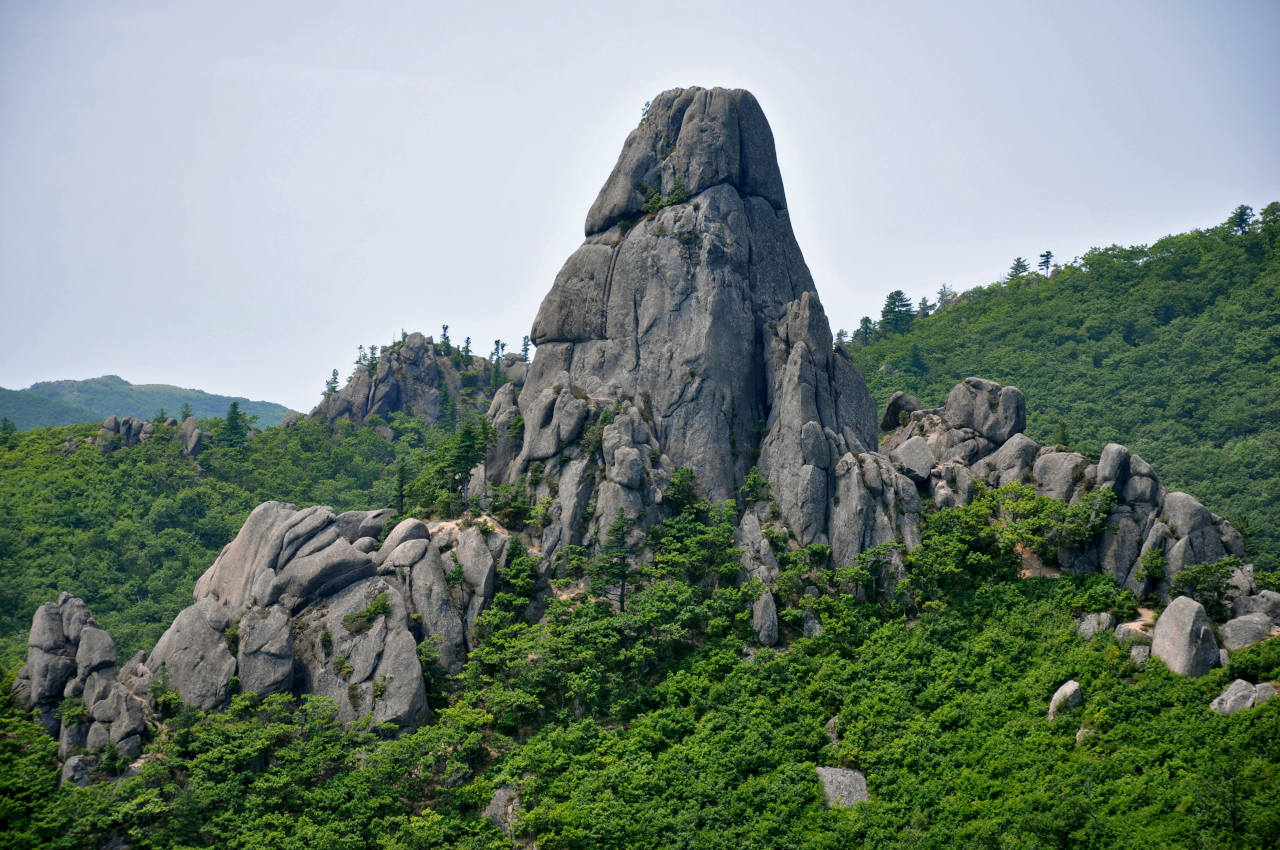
{"x": 866, "y": 330}
{"x": 524, "y": 349}
{"x": 235, "y": 428}
{"x": 897, "y": 313}
{"x": 616, "y": 554}
{"x": 1019, "y": 268}
{"x": 1046, "y": 261}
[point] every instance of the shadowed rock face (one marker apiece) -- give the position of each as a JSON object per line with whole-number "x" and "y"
{"x": 698, "y": 327}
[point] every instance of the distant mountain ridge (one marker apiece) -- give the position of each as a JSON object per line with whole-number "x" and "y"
{"x": 75, "y": 402}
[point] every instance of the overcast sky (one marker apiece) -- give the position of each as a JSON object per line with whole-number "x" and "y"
{"x": 234, "y": 195}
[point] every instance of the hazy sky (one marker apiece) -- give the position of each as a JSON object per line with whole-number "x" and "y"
{"x": 234, "y": 195}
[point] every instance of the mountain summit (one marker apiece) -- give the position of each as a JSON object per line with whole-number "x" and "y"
{"x": 688, "y": 331}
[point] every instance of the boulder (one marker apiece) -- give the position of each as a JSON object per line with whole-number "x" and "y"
{"x": 78, "y": 770}
{"x": 1184, "y": 639}
{"x": 1092, "y": 624}
{"x": 1263, "y": 691}
{"x": 843, "y": 786}
{"x": 1245, "y": 630}
{"x": 197, "y": 660}
{"x": 1113, "y": 467}
{"x": 1238, "y": 696}
{"x": 354, "y": 525}
{"x": 1012, "y": 463}
{"x": 764, "y": 619}
{"x": 1139, "y": 653}
{"x": 915, "y": 459}
{"x": 698, "y": 139}
{"x": 1058, "y": 473}
{"x": 1263, "y": 602}
{"x": 1128, "y": 632}
{"x": 993, "y": 411}
{"x": 899, "y": 408}
{"x": 192, "y": 437}
{"x": 1067, "y": 696}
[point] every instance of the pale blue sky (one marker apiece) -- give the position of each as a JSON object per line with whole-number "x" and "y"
{"x": 234, "y": 195}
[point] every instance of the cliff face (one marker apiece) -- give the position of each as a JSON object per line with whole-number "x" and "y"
{"x": 688, "y": 331}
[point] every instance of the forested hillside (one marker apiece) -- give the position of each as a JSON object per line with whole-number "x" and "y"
{"x": 51, "y": 403}
{"x": 664, "y": 726}
{"x": 131, "y": 530}
{"x": 1172, "y": 349}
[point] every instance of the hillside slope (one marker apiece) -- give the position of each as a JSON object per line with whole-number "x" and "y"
{"x": 1172, "y": 349}
{"x": 51, "y": 403}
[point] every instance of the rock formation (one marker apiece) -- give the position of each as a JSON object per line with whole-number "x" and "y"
{"x": 419, "y": 377}
{"x": 686, "y": 332}
{"x": 976, "y": 436}
{"x": 70, "y": 680}
{"x": 304, "y": 601}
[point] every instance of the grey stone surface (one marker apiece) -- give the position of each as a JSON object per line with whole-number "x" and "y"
{"x": 1139, "y": 653}
{"x": 196, "y": 657}
{"x": 1245, "y": 630}
{"x": 1263, "y": 602}
{"x": 899, "y": 406}
{"x": 915, "y": 459}
{"x": 504, "y": 808}
{"x": 1263, "y": 691}
{"x": 1238, "y": 696}
{"x": 764, "y": 619}
{"x": 1130, "y": 632}
{"x": 265, "y": 653}
{"x": 1057, "y": 474}
{"x": 1184, "y": 639}
{"x": 1067, "y": 696}
{"x": 1011, "y": 463}
{"x": 78, "y": 770}
{"x": 1113, "y": 467}
{"x": 700, "y": 325}
{"x": 703, "y": 138}
{"x": 96, "y": 650}
{"x": 1092, "y": 624}
{"x": 192, "y": 437}
{"x": 353, "y": 525}
{"x": 843, "y": 786}
{"x": 993, "y": 411}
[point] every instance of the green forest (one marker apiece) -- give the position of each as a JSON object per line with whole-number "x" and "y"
{"x": 663, "y": 726}
{"x": 661, "y": 722}
{"x": 1172, "y": 349}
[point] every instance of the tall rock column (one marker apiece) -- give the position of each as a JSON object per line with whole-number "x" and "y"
{"x": 686, "y": 332}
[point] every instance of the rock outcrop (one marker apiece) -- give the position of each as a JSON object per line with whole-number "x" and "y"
{"x": 1240, "y": 695}
{"x": 303, "y": 601}
{"x": 687, "y": 332}
{"x": 976, "y": 436}
{"x": 419, "y": 377}
{"x": 70, "y": 680}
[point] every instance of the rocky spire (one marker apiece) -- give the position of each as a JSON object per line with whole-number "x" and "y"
{"x": 686, "y": 332}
